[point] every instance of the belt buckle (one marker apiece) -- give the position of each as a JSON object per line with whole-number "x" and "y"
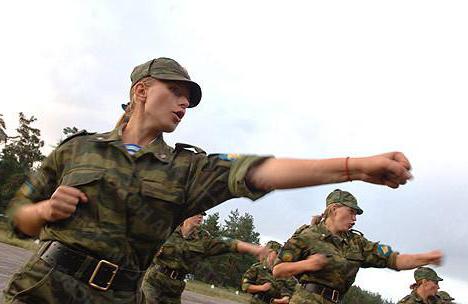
{"x": 173, "y": 275}
{"x": 96, "y": 271}
{"x": 335, "y": 296}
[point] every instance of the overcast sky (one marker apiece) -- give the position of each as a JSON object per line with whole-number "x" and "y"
{"x": 306, "y": 79}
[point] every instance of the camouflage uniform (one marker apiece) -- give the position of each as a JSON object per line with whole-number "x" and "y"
{"x": 414, "y": 298}
{"x": 180, "y": 254}
{"x": 420, "y": 274}
{"x": 258, "y": 274}
{"x": 346, "y": 253}
{"x": 445, "y": 297}
{"x": 134, "y": 203}
{"x": 261, "y": 273}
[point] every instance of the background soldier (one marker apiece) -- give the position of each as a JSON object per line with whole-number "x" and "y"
{"x": 164, "y": 279}
{"x": 425, "y": 288}
{"x": 326, "y": 257}
{"x": 445, "y": 298}
{"x": 259, "y": 281}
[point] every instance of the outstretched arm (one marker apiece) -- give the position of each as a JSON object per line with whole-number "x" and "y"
{"x": 411, "y": 261}
{"x": 390, "y": 169}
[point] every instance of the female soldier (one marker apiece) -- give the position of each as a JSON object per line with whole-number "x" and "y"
{"x": 259, "y": 281}
{"x": 425, "y": 289}
{"x": 104, "y": 203}
{"x": 187, "y": 245}
{"x": 326, "y": 257}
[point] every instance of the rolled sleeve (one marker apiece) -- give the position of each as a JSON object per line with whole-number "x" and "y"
{"x": 216, "y": 178}
{"x": 378, "y": 255}
{"x": 39, "y": 186}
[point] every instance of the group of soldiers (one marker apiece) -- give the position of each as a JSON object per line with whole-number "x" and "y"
{"x": 164, "y": 280}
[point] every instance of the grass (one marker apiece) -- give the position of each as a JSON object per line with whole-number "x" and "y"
{"x": 8, "y": 238}
{"x": 217, "y": 292}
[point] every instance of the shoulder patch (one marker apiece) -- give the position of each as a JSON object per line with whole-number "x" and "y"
{"x": 182, "y": 146}
{"x": 79, "y": 133}
{"x": 229, "y": 157}
{"x": 384, "y": 250}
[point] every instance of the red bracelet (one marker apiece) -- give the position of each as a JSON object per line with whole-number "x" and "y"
{"x": 347, "y": 170}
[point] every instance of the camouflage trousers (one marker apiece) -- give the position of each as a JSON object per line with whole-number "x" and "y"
{"x": 37, "y": 282}
{"x": 159, "y": 288}
{"x": 302, "y": 296}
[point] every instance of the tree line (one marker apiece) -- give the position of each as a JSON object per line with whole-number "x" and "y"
{"x": 21, "y": 153}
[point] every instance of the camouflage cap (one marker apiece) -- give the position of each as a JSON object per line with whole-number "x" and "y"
{"x": 426, "y": 273}
{"x": 273, "y": 245}
{"x": 445, "y": 296}
{"x": 167, "y": 69}
{"x": 345, "y": 198}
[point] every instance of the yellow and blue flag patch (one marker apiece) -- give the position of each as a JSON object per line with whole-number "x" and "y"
{"x": 384, "y": 250}
{"x": 229, "y": 157}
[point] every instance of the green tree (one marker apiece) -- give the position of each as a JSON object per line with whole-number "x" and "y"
{"x": 67, "y": 131}
{"x": 356, "y": 295}
{"x": 227, "y": 269}
{"x": 211, "y": 224}
{"x": 18, "y": 158}
{"x": 3, "y": 135}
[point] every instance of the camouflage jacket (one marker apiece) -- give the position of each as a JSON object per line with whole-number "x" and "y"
{"x": 183, "y": 253}
{"x": 345, "y": 253}
{"x": 414, "y": 298}
{"x": 259, "y": 273}
{"x": 134, "y": 201}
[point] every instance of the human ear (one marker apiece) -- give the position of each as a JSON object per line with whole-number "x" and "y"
{"x": 140, "y": 91}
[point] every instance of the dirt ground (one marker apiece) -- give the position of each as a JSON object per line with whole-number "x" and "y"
{"x": 11, "y": 258}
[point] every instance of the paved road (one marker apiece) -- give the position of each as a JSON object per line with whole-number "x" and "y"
{"x": 11, "y": 258}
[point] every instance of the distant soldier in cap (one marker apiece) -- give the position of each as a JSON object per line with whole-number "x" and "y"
{"x": 188, "y": 245}
{"x": 325, "y": 258}
{"x": 445, "y": 298}
{"x": 103, "y": 204}
{"x": 424, "y": 290}
{"x": 258, "y": 280}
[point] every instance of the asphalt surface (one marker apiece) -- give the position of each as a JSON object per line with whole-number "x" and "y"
{"x": 11, "y": 258}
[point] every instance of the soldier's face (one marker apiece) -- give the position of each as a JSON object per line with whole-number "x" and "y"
{"x": 195, "y": 220}
{"x": 430, "y": 287}
{"x": 344, "y": 218}
{"x": 165, "y": 104}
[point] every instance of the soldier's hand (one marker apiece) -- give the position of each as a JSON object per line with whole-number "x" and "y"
{"x": 283, "y": 300}
{"x": 266, "y": 286}
{"x": 62, "y": 204}
{"x": 391, "y": 169}
{"x": 434, "y": 257}
{"x": 316, "y": 262}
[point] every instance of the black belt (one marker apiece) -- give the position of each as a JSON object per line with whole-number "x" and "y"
{"x": 330, "y": 294}
{"x": 100, "y": 274}
{"x": 263, "y": 297}
{"x": 172, "y": 273}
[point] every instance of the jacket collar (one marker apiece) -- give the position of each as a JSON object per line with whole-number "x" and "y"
{"x": 157, "y": 147}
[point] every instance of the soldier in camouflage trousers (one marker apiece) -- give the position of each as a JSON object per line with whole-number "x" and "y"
{"x": 103, "y": 204}
{"x": 424, "y": 291}
{"x": 259, "y": 281}
{"x": 164, "y": 279}
{"x": 325, "y": 258}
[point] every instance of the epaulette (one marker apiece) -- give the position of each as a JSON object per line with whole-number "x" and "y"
{"x": 182, "y": 146}
{"x": 356, "y": 232}
{"x": 300, "y": 229}
{"x": 79, "y": 133}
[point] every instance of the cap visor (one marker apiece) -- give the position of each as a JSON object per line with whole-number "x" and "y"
{"x": 195, "y": 90}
